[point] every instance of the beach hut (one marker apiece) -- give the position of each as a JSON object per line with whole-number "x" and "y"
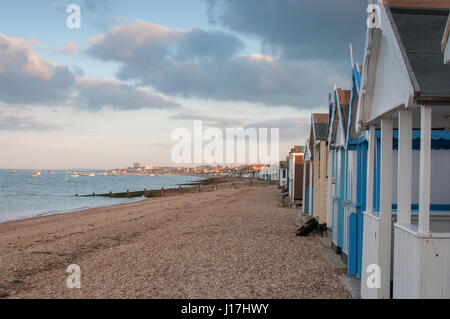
{"x": 307, "y": 208}
{"x": 295, "y": 174}
{"x": 317, "y": 156}
{"x": 339, "y": 108}
{"x": 283, "y": 173}
{"x": 355, "y": 148}
{"x": 405, "y": 106}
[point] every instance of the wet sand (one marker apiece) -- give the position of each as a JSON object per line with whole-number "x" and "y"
{"x": 229, "y": 243}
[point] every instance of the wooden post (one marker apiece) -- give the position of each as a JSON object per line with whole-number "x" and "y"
{"x": 386, "y": 185}
{"x": 329, "y": 195}
{"x": 162, "y": 191}
{"x": 145, "y": 192}
{"x": 110, "y": 194}
{"x": 128, "y": 193}
{"x": 304, "y": 188}
{"x": 404, "y": 176}
{"x": 93, "y": 194}
{"x": 425, "y": 170}
{"x": 370, "y": 169}
{"x": 311, "y": 185}
{"x": 180, "y": 189}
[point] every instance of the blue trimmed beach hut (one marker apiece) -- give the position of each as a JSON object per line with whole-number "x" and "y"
{"x": 355, "y": 181}
{"x": 404, "y": 107}
{"x": 339, "y": 108}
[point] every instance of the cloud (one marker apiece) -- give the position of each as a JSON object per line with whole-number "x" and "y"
{"x": 25, "y": 78}
{"x": 320, "y": 29}
{"x": 288, "y": 127}
{"x": 94, "y": 94}
{"x": 69, "y": 48}
{"x": 23, "y": 122}
{"x": 211, "y": 120}
{"x": 209, "y": 65}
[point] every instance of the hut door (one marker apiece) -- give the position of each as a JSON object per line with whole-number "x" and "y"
{"x": 298, "y": 178}
{"x": 356, "y": 223}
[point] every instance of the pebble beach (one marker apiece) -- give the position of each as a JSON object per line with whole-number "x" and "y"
{"x": 233, "y": 242}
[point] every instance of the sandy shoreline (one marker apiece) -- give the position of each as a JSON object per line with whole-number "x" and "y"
{"x": 229, "y": 243}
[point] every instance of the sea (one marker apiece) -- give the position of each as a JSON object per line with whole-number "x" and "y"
{"x": 23, "y": 196}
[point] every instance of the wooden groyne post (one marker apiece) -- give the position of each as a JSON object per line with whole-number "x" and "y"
{"x": 162, "y": 191}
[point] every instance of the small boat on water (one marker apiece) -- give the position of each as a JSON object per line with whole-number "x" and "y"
{"x": 91, "y": 174}
{"x": 74, "y": 175}
{"x": 84, "y": 174}
{"x": 36, "y": 174}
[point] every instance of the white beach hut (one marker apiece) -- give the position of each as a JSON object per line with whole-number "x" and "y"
{"x": 283, "y": 174}
{"x": 339, "y": 108}
{"x": 318, "y": 157}
{"x": 406, "y": 86}
{"x": 295, "y": 174}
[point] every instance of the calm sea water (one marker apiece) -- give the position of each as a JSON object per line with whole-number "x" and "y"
{"x": 22, "y": 196}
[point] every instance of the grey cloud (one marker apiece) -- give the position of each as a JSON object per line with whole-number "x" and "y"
{"x": 319, "y": 29}
{"x": 27, "y": 79}
{"x": 211, "y": 120}
{"x": 23, "y": 122}
{"x": 216, "y": 45}
{"x": 193, "y": 63}
{"x": 145, "y": 44}
{"x": 94, "y": 94}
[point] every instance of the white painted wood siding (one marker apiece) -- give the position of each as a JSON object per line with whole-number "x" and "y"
{"x": 421, "y": 265}
{"x": 371, "y": 237}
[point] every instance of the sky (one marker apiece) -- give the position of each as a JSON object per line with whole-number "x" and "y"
{"x": 111, "y": 92}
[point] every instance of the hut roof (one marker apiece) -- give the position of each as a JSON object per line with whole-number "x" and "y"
{"x": 439, "y": 4}
{"x": 420, "y": 33}
{"x": 343, "y": 96}
{"x": 320, "y": 125}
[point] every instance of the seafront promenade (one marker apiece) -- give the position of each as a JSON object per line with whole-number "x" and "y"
{"x": 234, "y": 242}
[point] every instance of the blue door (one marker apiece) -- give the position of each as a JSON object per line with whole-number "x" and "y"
{"x": 356, "y": 220}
